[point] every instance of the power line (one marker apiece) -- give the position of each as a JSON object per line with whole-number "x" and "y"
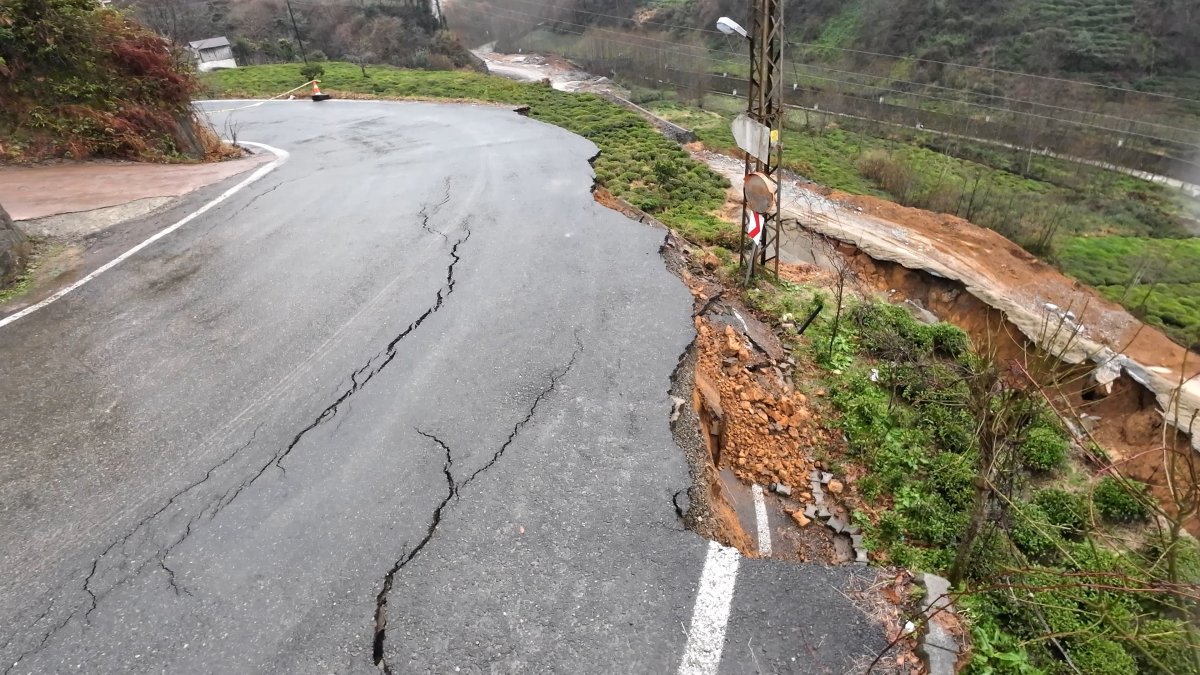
{"x": 1117, "y": 118}
{"x": 1050, "y": 78}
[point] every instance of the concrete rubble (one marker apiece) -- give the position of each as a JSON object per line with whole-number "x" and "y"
{"x": 938, "y": 647}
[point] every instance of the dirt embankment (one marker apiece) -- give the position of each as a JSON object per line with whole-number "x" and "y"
{"x": 1127, "y": 422}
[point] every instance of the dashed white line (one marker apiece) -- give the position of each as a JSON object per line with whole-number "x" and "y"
{"x": 281, "y": 156}
{"x": 760, "y": 518}
{"x": 710, "y": 616}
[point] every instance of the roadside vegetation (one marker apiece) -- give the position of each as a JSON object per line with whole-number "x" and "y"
{"x": 636, "y": 163}
{"x": 1132, "y": 239}
{"x": 960, "y": 467}
{"x": 80, "y": 81}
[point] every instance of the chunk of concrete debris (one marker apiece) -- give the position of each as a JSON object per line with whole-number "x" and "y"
{"x": 940, "y": 650}
{"x": 861, "y": 557}
{"x": 836, "y": 524}
{"x": 936, "y": 592}
{"x": 781, "y": 489}
{"x": 826, "y": 477}
{"x": 810, "y": 511}
{"x": 856, "y": 540}
{"x": 834, "y": 486}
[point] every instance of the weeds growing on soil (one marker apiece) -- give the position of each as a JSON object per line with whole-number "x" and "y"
{"x": 1051, "y": 587}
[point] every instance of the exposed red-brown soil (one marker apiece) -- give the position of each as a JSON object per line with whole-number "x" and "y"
{"x": 1016, "y": 273}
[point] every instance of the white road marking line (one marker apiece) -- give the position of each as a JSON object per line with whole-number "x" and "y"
{"x": 281, "y": 156}
{"x": 760, "y": 518}
{"x": 710, "y": 616}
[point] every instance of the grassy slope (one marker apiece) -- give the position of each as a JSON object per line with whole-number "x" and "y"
{"x": 635, "y": 161}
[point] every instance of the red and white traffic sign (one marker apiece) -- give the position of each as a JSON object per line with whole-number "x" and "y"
{"x": 754, "y": 226}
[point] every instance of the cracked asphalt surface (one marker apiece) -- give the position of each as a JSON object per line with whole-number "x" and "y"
{"x": 401, "y": 405}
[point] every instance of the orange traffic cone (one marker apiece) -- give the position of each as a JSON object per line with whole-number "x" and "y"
{"x": 317, "y": 95}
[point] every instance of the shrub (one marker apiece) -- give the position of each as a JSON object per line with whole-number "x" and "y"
{"x": 889, "y": 332}
{"x": 949, "y": 340}
{"x": 312, "y": 71}
{"x": 1034, "y": 534}
{"x": 1100, "y": 656}
{"x": 952, "y": 428}
{"x": 891, "y": 173}
{"x": 953, "y": 476}
{"x": 1120, "y": 501}
{"x": 1044, "y": 449}
{"x": 1063, "y": 509}
{"x": 1167, "y": 642}
{"x": 80, "y": 80}
{"x": 989, "y": 556}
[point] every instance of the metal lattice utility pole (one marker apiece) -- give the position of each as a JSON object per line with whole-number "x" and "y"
{"x": 766, "y": 107}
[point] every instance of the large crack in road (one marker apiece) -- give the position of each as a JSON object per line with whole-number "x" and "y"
{"x": 389, "y": 353}
{"x": 453, "y": 490}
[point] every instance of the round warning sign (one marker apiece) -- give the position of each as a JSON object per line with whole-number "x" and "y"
{"x": 760, "y": 192}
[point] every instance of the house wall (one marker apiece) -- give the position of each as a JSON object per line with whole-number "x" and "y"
{"x": 205, "y": 66}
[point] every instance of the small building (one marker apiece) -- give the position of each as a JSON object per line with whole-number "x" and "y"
{"x": 212, "y": 54}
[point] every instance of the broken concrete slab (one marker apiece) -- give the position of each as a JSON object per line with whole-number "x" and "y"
{"x": 937, "y": 591}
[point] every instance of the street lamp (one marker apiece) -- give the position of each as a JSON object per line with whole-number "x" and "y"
{"x": 728, "y": 26}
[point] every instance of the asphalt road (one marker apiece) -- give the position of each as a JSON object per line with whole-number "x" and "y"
{"x": 400, "y": 404}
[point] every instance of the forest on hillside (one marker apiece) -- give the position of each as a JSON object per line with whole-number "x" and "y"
{"x": 404, "y": 33}
{"x": 1150, "y": 44}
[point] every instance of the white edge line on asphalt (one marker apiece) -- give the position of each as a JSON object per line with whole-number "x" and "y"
{"x": 281, "y": 156}
{"x": 710, "y": 616}
{"x": 760, "y": 518}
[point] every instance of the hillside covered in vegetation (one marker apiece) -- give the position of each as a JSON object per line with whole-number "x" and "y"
{"x": 402, "y": 33}
{"x": 80, "y": 81}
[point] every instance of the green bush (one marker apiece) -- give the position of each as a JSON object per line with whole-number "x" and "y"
{"x": 1162, "y": 645}
{"x": 1099, "y": 656}
{"x": 1045, "y": 449}
{"x": 312, "y": 71}
{"x": 1121, "y": 501}
{"x": 890, "y": 332}
{"x": 989, "y": 556}
{"x": 949, "y": 340}
{"x": 80, "y": 80}
{"x": 1034, "y": 534}
{"x": 953, "y": 477}
{"x": 952, "y": 428}
{"x": 1064, "y": 509}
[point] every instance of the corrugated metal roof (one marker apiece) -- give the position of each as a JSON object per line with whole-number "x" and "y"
{"x": 210, "y": 43}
